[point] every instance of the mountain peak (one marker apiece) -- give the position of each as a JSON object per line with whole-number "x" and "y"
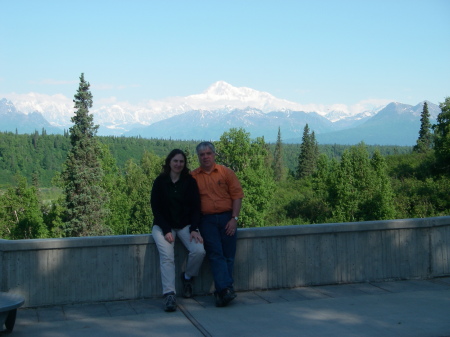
{"x": 221, "y": 90}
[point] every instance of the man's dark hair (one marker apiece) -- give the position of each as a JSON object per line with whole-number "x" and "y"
{"x": 204, "y": 145}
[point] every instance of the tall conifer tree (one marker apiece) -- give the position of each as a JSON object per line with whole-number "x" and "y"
{"x": 309, "y": 154}
{"x": 278, "y": 166}
{"x": 425, "y": 140}
{"x": 82, "y": 173}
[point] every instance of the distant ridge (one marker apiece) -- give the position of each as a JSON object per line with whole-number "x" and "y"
{"x": 396, "y": 124}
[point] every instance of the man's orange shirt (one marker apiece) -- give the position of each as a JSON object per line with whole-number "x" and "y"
{"x": 218, "y": 189}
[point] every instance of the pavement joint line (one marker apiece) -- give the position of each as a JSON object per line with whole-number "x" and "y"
{"x": 258, "y": 295}
{"x": 379, "y": 287}
{"x": 194, "y": 322}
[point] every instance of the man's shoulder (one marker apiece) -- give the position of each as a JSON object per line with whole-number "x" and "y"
{"x": 217, "y": 168}
{"x": 224, "y": 169}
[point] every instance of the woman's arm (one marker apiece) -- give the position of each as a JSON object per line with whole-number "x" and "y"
{"x": 157, "y": 202}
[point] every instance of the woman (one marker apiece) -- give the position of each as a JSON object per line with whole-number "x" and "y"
{"x": 175, "y": 204}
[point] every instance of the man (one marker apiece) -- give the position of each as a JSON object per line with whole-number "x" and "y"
{"x": 221, "y": 198}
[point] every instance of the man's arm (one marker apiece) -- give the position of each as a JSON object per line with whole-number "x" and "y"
{"x": 230, "y": 228}
{"x": 236, "y": 207}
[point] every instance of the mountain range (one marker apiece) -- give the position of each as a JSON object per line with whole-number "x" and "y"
{"x": 222, "y": 106}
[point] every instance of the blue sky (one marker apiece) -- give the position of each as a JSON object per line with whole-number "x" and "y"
{"x": 320, "y": 52}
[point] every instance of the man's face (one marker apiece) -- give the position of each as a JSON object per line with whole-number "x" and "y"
{"x": 207, "y": 158}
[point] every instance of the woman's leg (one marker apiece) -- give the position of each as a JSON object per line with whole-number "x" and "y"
{"x": 166, "y": 259}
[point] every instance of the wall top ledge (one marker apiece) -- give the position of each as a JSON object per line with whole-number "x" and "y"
{"x": 243, "y": 233}
{"x": 329, "y": 228}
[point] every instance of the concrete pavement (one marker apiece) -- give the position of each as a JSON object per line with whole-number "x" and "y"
{"x": 401, "y": 308}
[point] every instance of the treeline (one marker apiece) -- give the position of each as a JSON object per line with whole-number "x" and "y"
{"x": 39, "y": 157}
{"x": 105, "y": 182}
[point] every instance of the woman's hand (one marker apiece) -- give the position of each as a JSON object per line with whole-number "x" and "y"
{"x": 196, "y": 236}
{"x": 169, "y": 237}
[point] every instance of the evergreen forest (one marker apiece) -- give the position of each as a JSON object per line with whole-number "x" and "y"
{"x": 80, "y": 184}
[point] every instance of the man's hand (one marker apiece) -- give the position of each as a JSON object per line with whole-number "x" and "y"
{"x": 230, "y": 228}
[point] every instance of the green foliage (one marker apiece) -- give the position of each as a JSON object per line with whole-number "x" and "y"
{"x": 113, "y": 183}
{"x": 382, "y": 196}
{"x": 442, "y": 139}
{"x": 139, "y": 184}
{"x": 361, "y": 190}
{"x": 20, "y": 213}
{"x": 415, "y": 165}
{"x": 18, "y": 155}
{"x": 285, "y": 205}
{"x": 309, "y": 153}
{"x": 422, "y": 198}
{"x": 278, "y": 166}
{"x": 54, "y": 217}
{"x": 348, "y": 183}
{"x": 28, "y": 155}
{"x": 249, "y": 161}
{"x": 82, "y": 174}
{"x": 425, "y": 140}
{"x": 291, "y": 152}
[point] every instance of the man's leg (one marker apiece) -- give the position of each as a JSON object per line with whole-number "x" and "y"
{"x": 228, "y": 247}
{"x": 210, "y": 229}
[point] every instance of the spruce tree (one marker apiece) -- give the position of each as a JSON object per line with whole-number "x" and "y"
{"x": 309, "y": 154}
{"x": 425, "y": 140}
{"x": 82, "y": 174}
{"x": 278, "y": 166}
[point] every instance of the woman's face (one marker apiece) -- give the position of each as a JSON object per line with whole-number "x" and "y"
{"x": 177, "y": 163}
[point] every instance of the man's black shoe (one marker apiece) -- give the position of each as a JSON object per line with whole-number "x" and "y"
{"x": 224, "y": 297}
{"x": 228, "y": 295}
{"x": 187, "y": 286}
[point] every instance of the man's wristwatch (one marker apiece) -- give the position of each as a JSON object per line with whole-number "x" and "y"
{"x": 236, "y": 218}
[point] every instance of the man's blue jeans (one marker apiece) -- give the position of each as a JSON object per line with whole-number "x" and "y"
{"x": 220, "y": 248}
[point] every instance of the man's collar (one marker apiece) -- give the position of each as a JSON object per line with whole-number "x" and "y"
{"x": 214, "y": 168}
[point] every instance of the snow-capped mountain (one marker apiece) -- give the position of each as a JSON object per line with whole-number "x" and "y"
{"x": 222, "y": 95}
{"x": 395, "y": 124}
{"x": 211, "y": 124}
{"x": 13, "y": 120}
{"x": 220, "y": 107}
{"x": 56, "y": 109}
{"x": 119, "y": 117}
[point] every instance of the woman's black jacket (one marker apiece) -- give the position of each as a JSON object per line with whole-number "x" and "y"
{"x": 160, "y": 203}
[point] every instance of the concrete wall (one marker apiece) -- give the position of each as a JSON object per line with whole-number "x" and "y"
{"x": 61, "y": 271}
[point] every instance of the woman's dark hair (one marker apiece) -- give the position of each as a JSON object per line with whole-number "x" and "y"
{"x": 173, "y": 153}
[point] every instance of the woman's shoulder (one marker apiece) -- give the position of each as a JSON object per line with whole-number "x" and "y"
{"x": 188, "y": 177}
{"x": 160, "y": 178}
